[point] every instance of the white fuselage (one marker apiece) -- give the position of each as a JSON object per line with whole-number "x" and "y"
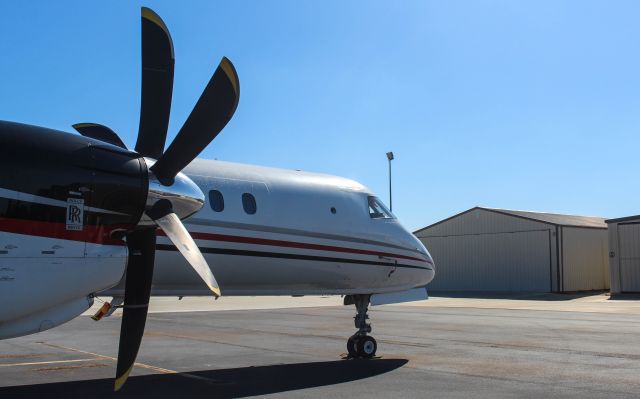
{"x": 310, "y": 234}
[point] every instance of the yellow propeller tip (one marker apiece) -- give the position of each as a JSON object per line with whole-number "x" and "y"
{"x": 121, "y": 380}
{"x": 81, "y": 125}
{"x": 216, "y": 291}
{"x": 154, "y": 18}
{"x": 231, "y": 73}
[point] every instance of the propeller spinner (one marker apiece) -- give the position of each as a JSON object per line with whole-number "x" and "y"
{"x": 172, "y": 196}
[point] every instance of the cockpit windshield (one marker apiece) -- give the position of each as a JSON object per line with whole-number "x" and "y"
{"x": 377, "y": 210}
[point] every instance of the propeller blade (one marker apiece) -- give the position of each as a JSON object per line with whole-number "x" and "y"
{"x": 180, "y": 237}
{"x": 142, "y": 248}
{"x": 210, "y": 115}
{"x": 99, "y": 132}
{"x": 157, "y": 85}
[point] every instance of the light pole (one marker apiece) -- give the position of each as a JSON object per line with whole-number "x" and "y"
{"x": 390, "y": 158}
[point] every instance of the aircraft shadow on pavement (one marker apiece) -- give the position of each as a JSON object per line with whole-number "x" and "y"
{"x": 225, "y": 383}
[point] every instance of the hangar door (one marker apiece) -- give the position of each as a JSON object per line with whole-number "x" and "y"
{"x": 629, "y": 239}
{"x": 516, "y": 261}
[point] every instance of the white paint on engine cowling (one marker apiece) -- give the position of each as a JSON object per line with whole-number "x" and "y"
{"x": 45, "y": 319}
{"x": 33, "y": 283}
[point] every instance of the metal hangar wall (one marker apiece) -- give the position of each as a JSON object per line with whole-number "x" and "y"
{"x": 500, "y": 250}
{"x": 624, "y": 254}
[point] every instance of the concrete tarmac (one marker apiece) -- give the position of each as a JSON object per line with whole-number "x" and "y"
{"x": 533, "y": 347}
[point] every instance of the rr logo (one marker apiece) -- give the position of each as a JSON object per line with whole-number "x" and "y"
{"x": 75, "y": 214}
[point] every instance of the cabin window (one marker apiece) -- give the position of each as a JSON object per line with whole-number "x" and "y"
{"x": 217, "y": 200}
{"x": 377, "y": 210}
{"x": 249, "y": 203}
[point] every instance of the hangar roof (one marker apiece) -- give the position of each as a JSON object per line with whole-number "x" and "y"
{"x": 550, "y": 218}
{"x": 555, "y": 218}
{"x": 624, "y": 219}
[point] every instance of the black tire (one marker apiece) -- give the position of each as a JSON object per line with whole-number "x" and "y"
{"x": 351, "y": 346}
{"x": 366, "y": 347}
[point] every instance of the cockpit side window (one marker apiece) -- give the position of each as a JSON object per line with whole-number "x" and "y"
{"x": 377, "y": 210}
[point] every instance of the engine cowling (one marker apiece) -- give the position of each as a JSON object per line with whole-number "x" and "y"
{"x": 65, "y": 202}
{"x": 45, "y": 319}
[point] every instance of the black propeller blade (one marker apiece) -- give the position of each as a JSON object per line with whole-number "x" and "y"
{"x": 142, "y": 249}
{"x": 210, "y": 115}
{"x": 99, "y": 132}
{"x": 157, "y": 85}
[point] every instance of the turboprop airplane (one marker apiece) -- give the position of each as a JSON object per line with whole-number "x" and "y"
{"x": 80, "y": 212}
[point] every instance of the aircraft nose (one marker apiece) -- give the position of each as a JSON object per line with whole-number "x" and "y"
{"x": 427, "y": 256}
{"x": 422, "y": 249}
{"x": 430, "y": 267}
{"x": 429, "y": 274}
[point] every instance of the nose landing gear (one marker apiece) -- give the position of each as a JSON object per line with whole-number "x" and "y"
{"x": 361, "y": 345}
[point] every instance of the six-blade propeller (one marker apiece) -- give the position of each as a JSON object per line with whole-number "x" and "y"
{"x": 167, "y": 202}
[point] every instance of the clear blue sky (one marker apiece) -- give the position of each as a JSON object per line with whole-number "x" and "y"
{"x": 530, "y": 105}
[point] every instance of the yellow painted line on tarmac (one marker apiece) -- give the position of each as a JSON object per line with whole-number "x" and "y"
{"x": 24, "y": 356}
{"x": 47, "y": 362}
{"x": 143, "y": 365}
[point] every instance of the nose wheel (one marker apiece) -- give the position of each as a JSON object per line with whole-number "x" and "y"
{"x": 360, "y": 344}
{"x": 364, "y": 347}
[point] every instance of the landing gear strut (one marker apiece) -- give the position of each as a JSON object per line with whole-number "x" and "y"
{"x": 360, "y": 344}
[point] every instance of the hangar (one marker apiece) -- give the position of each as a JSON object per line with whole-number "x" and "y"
{"x": 624, "y": 255}
{"x": 500, "y": 250}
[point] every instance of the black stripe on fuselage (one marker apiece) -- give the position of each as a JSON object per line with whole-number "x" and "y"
{"x": 295, "y": 232}
{"x": 279, "y": 255}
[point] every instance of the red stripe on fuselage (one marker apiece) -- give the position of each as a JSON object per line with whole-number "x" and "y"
{"x": 102, "y": 235}
{"x": 294, "y": 244}
{"x": 89, "y": 233}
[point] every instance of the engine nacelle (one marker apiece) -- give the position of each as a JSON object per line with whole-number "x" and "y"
{"x": 40, "y": 293}
{"x": 45, "y": 319}
{"x": 65, "y": 203}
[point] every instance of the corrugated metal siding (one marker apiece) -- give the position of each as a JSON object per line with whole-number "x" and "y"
{"x": 629, "y": 257}
{"x": 614, "y": 258}
{"x": 585, "y": 263}
{"x": 518, "y": 261}
{"x": 485, "y": 250}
